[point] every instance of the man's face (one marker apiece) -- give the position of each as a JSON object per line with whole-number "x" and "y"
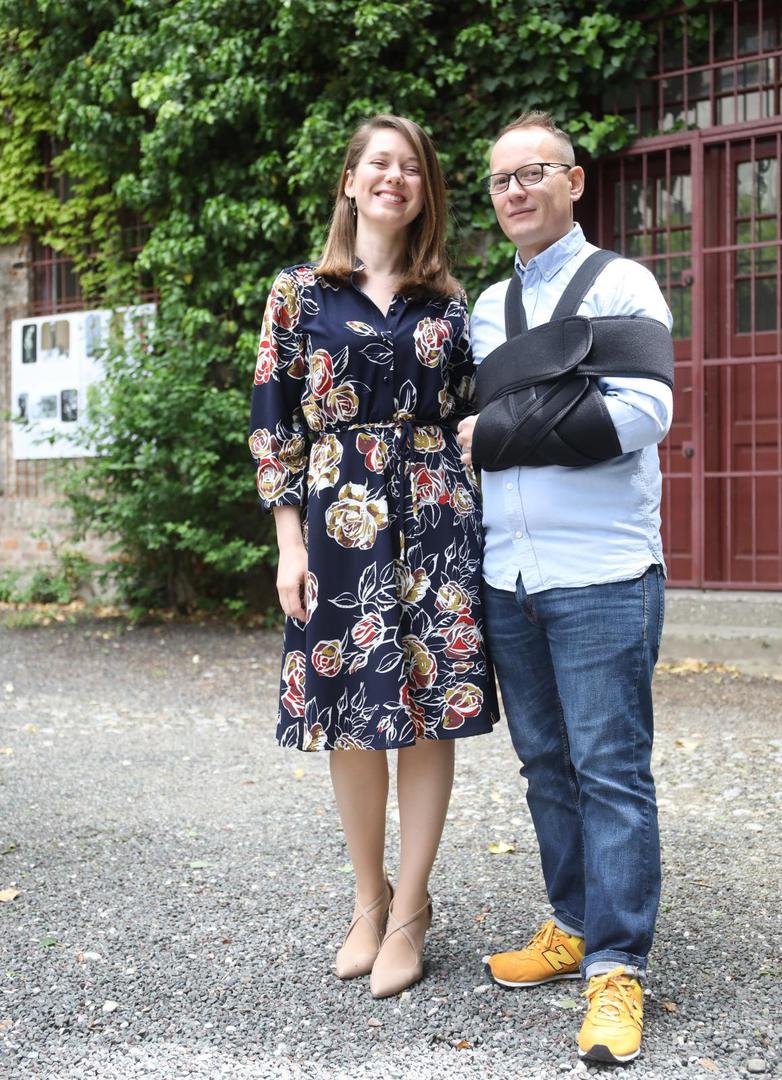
{"x": 535, "y": 217}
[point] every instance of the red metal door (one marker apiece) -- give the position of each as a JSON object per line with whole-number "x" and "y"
{"x": 703, "y": 212}
{"x": 645, "y": 209}
{"x": 743, "y": 362}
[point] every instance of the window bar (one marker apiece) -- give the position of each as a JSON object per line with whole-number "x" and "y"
{"x": 697, "y": 380}
{"x": 778, "y": 367}
{"x": 729, "y": 479}
{"x": 666, "y": 231}
{"x": 760, "y": 28}
{"x": 778, "y": 319}
{"x": 729, "y": 265}
{"x": 754, "y": 258}
{"x": 753, "y": 478}
{"x": 685, "y": 68}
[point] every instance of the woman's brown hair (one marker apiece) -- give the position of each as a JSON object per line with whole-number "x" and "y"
{"x": 426, "y": 272}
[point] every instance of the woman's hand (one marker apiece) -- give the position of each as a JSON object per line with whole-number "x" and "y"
{"x": 292, "y": 581}
{"x": 292, "y": 562}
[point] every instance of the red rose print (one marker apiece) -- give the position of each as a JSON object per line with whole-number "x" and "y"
{"x": 461, "y": 702}
{"x": 321, "y": 373}
{"x": 367, "y": 630}
{"x": 463, "y": 638}
{"x": 428, "y": 484}
{"x": 327, "y": 658}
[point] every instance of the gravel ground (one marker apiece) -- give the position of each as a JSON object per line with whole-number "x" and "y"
{"x": 183, "y": 886}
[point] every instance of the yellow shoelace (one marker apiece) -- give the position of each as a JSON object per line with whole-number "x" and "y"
{"x": 544, "y": 938}
{"x": 616, "y": 988}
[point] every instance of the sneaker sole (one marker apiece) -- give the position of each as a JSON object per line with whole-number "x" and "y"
{"x": 505, "y": 984}
{"x": 598, "y": 1052}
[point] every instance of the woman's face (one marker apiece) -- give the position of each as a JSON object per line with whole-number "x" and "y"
{"x": 386, "y": 182}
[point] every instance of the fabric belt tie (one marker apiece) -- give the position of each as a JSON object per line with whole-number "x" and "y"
{"x": 404, "y": 427}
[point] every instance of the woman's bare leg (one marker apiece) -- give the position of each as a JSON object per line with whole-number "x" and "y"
{"x": 360, "y": 780}
{"x": 424, "y": 781}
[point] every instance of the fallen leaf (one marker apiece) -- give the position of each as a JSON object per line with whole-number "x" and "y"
{"x": 463, "y": 1045}
{"x": 8, "y": 894}
{"x": 8, "y": 848}
{"x": 691, "y": 666}
{"x": 374, "y": 1022}
{"x": 481, "y": 916}
{"x": 227, "y": 941}
{"x": 502, "y": 847}
{"x": 567, "y": 1003}
{"x": 707, "y": 1063}
{"x": 346, "y": 868}
{"x": 6, "y": 750}
{"x": 670, "y": 1006}
{"x": 198, "y": 864}
{"x": 50, "y": 939}
{"x": 688, "y": 744}
{"x": 298, "y": 773}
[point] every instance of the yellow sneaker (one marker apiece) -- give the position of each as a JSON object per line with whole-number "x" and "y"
{"x": 614, "y": 1021}
{"x": 550, "y": 955}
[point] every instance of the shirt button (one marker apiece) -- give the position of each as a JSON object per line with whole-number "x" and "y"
{"x": 509, "y": 486}
{"x": 519, "y": 534}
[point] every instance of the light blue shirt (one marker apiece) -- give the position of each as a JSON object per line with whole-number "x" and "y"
{"x": 566, "y": 528}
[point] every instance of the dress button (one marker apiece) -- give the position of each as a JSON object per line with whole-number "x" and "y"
{"x": 385, "y": 378}
{"x": 519, "y": 534}
{"x": 509, "y": 486}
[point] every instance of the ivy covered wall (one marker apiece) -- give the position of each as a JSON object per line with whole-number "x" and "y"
{"x": 222, "y": 123}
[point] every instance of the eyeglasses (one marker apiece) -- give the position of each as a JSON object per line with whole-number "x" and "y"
{"x": 527, "y": 175}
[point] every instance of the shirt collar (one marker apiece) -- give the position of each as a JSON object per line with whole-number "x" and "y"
{"x": 553, "y": 258}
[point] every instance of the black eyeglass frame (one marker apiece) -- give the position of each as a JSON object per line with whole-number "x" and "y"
{"x": 486, "y": 180}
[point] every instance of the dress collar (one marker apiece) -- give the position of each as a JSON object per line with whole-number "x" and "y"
{"x": 553, "y": 258}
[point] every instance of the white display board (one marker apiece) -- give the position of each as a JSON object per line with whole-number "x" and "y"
{"x": 54, "y": 361}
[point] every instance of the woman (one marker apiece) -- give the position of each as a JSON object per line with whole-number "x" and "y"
{"x": 363, "y": 368}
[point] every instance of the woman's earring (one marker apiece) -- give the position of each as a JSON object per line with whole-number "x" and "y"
{"x": 352, "y": 202}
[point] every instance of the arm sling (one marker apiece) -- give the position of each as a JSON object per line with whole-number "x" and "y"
{"x": 537, "y": 393}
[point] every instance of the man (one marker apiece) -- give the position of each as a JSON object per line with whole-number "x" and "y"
{"x": 573, "y": 576}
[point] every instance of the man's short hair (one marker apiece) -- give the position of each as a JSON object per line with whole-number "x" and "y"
{"x": 537, "y": 118}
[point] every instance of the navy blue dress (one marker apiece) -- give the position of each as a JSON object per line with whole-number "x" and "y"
{"x": 352, "y": 416}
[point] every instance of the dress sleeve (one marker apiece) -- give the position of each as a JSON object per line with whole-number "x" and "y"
{"x": 278, "y": 439}
{"x": 461, "y": 369}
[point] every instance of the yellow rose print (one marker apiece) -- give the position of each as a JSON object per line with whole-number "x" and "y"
{"x": 355, "y": 519}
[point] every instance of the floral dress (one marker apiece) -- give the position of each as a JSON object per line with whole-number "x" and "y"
{"x": 352, "y": 416}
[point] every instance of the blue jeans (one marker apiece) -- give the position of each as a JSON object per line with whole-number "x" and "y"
{"x": 575, "y": 670}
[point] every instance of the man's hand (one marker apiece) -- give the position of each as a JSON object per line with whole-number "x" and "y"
{"x": 464, "y": 437}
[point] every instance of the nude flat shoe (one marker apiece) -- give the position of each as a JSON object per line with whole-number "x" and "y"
{"x": 351, "y": 965}
{"x": 388, "y": 979}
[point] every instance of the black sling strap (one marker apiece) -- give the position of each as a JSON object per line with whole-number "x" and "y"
{"x": 570, "y": 300}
